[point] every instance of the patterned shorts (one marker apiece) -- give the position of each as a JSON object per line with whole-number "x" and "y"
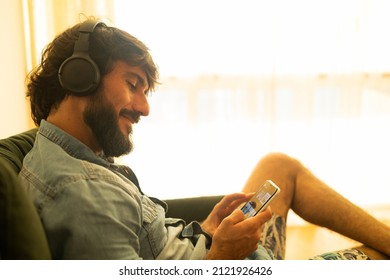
{"x": 272, "y": 245}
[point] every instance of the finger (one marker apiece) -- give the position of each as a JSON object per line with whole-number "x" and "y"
{"x": 232, "y": 199}
{"x": 235, "y": 217}
{"x": 237, "y": 203}
{"x": 228, "y": 199}
{"x": 250, "y": 194}
{"x": 240, "y": 201}
{"x": 262, "y": 217}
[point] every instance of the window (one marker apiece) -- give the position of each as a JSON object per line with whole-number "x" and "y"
{"x": 242, "y": 78}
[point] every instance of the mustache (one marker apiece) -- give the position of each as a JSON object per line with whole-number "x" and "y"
{"x": 132, "y": 115}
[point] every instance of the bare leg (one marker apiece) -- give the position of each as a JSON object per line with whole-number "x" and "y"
{"x": 317, "y": 203}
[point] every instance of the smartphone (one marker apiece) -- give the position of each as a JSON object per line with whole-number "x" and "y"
{"x": 261, "y": 199}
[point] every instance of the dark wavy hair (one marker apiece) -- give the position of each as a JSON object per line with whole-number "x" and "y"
{"x": 107, "y": 45}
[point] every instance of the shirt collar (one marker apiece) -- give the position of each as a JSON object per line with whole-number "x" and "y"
{"x": 71, "y": 145}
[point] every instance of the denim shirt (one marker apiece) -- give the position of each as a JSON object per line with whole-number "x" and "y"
{"x": 90, "y": 211}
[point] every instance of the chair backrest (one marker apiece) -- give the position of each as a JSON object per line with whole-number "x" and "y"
{"x": 21, "y": 233}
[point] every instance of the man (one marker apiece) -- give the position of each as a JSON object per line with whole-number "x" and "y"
{"x": 89, "y": 90}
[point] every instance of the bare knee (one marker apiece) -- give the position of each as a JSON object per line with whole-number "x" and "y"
{"x": 278, "y": 167}
{"x": 282, "y": 170}
{"x": 281, "y": 165}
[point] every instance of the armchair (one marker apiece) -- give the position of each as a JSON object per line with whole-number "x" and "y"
{"x": 21, "y": 233}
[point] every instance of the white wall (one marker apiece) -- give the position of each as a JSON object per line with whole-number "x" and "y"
{"x": 14, "y": 113}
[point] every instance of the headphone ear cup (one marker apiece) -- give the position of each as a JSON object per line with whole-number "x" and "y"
{"x": 79, "y": 74}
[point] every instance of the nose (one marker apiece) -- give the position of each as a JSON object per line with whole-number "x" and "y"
{"x": 141, "y": 104}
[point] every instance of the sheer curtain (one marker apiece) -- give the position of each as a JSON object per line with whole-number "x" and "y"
{"x": 43, "y": 19}
{"x": 243, "y": 78}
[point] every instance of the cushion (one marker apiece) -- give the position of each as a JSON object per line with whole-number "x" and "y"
{"x": 14, "y": 148}
{"x": 21, "y": 232}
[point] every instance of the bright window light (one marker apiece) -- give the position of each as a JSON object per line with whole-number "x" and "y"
{"x": 241, "y": 78}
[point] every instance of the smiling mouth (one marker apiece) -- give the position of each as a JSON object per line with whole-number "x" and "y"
{"x": 131, "y": 116}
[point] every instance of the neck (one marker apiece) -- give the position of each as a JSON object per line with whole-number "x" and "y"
{"x": 69, "y": 117}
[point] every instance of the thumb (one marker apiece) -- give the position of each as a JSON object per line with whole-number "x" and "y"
{"x": 263, "y": 216}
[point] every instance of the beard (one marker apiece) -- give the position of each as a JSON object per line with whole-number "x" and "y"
{"x": 102, "y": 119}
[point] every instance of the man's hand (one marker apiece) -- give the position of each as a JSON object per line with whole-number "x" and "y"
{"x": 223, "y": 209}
{"x": 237, "y": 237}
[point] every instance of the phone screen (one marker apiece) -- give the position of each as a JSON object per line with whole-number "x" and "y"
{"x": 261, "y": 199}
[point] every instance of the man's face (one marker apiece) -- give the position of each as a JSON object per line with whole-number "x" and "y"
{"x": 116, "y": 106}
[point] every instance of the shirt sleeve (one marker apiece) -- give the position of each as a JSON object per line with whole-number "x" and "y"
{"x": 93, "y": 220}
{"x": 185, "y": 242}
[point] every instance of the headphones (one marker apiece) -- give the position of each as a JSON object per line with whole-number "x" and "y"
{"x": 79, "y": 74}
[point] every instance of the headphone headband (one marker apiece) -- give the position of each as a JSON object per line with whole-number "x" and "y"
{"x": 86, "y": 28}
